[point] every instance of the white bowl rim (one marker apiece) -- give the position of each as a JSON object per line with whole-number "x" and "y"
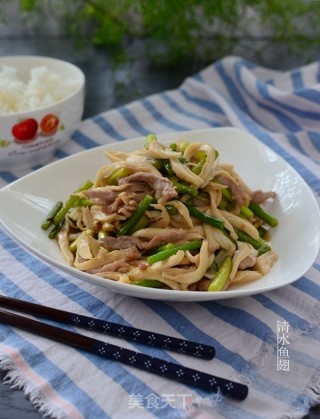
{"x": 6, "y": 59}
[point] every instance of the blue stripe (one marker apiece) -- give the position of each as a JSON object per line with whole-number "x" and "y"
{"x": 296, "y": 78}
{"x": 174, "y": 105}
{"x": 74, "y": 293}
{"x": 247, "y": 322}
{"x": 287, "y": 122}
{"x": 235, "y": 94}
{"x": 270, "y": 82}
{"x": 304, "y": 403}
{"x": 203, "y": 103}
{"x": 267, "y": 139}
{"x": 284, "y": 119}
{"x": 248, "y": 64}
{"x": 243, "y": 320}
{"x": 233, "y": 359}
{"x": 38, "y": 166}
{"x": 61, "y": 154}
{"x": 159, "y": 117}
{"x": 30, "y": 353}
{"x": 306, "y": 285}
{"x": 315, "y": 139}
{"x": 107, "y": 128}
{"x": 304, "y": 172}
{"x": 310, "y": 94}
{"x": 8, "y": 177}
{"x": 51, "y": 372}
{"x": 71, "y": 391}
{"x": 133, "y": 121}
{"x": 231, "y": 317}
{"x": 78, "y": 295}
{"x": 264, "y": 92}
{"x": 116, "y": 371}
{"x": 295, "y": 143}
{"x": 183, "y": 326}
{"x": 295, "y": 321}
{"x": 83, "y": 140}
{"x": 232, "y": 88}
{"x": 231, "y": 411}
{"x": 190, "y": 331}
{"x": 90, "y": 303}
{"x": 313, "y": 363}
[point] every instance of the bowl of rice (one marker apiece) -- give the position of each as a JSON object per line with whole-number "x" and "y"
{"x": 41, "y": 105}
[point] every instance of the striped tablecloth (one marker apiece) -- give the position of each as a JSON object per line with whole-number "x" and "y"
{"x": 282, "y": 109}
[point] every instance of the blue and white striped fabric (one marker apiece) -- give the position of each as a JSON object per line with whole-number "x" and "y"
{"x": 282, "y": 109}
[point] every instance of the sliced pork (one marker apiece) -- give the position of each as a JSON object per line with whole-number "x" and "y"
{"x": 162, "y": 187}
{"x": 239, "y": 195}
{"x": 259, "y": 197}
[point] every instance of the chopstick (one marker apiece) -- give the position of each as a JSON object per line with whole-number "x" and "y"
{"x": 198, "y": 350}
{"x": 138, "y": 360}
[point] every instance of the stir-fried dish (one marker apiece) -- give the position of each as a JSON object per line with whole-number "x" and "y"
{"x": 171, "y": 217}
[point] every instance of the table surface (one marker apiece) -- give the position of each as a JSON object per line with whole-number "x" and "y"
{"x": 107, "y": 86}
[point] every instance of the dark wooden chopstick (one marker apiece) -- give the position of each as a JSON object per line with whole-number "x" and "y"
{"x": 198, "y": 350}
{"x": 144, "y": 362}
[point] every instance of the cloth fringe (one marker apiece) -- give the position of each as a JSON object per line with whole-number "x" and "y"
{"x": 311, "y": 399}
{"x": 16, "y": 379}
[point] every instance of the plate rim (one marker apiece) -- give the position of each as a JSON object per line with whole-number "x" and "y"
{"x": 144, "y": 293}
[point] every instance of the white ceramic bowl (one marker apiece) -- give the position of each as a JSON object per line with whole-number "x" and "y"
{"x": 49, "y": 126}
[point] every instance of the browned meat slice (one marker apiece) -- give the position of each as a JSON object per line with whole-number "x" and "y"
{"x": 116, "y": 266}
{"x": 239, "y": 196}
{"x": 101, "y": 196}
{"x": 120, "y": 243}
{"x": 132, "y": 253}
{"x": 164, "y": 237}
{"x": 129, "y": 242}
{"x": 259, "y": 197}
{"x": 113, "y": 201}
{"x": 162, "y": 186}
{"x": 139, "y": 188}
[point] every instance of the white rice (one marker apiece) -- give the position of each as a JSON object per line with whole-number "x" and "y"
{"x": 43, "y": 88}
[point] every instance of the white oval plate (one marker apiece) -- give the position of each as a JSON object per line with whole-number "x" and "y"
{"x": 27, "y": 201}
